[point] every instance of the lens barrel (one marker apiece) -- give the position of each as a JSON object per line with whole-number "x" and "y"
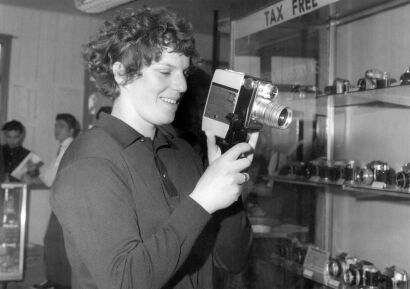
{"x": 276, "y": 115}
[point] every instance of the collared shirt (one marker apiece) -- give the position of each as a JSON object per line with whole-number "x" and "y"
{"x": 128, "y": 221}
{"x": 49, "y": 172}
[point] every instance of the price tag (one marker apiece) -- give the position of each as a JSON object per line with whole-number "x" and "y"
{"x": 340, "y": 181}
{"x": 316, "y": 259}
{"x": 307, "y": 273}
{"x": 333, "y": 283}
{"x": 378, "y": 185}
{"x": 315, "y": 179}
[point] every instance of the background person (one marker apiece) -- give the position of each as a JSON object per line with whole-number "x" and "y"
{"x": 57, "y": 267}
{"x": 135, "y": 210}
{"x": 14, "y": 154}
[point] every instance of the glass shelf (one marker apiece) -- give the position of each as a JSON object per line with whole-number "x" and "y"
{"x": 398, "y": 95}
{"x": 390, "y": 191}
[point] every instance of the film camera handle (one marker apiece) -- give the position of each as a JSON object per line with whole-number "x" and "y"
{"x": 236, "y": 133}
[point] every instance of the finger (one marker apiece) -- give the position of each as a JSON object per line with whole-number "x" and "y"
{"x": 243, "y": 178}
{"x": 253, "y": 139}
{"x": 234, "y": 152}
{"x": 214, "y": 150}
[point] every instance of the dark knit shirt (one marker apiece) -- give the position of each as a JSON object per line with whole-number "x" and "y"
{"x": 12, "y": 157}
{"x": 122, "y": 200}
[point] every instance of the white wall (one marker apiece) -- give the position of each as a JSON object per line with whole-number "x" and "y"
{"x": 46, "y": 77}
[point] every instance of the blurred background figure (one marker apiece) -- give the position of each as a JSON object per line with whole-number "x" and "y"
{"x": 105, "y": 109}
{"x": 17, "y": 160}
{"x": 58, "y": 270}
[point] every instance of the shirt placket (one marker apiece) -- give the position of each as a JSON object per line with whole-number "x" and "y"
{"x": 171, "y": 192}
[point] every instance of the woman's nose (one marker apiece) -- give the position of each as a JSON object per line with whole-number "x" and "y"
{"x": 180, "y": 83}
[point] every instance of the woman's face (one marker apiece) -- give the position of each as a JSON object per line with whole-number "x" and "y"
{"x": 62, "y": 130}
{"x": 154, "y": 96}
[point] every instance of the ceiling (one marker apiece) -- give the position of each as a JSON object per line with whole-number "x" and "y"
{"x": 199, "y": 12}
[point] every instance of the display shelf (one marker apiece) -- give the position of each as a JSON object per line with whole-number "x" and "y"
{"x": 303, "y": 181}
{"x": 394, "y": 95}
{"x": 390, "y": 191}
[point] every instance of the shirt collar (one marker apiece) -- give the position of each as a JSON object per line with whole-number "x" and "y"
{"x": 126, "y": 135}
{"x": 67, "y": 141}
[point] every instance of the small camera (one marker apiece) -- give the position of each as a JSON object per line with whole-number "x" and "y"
{"x": 395, "y": 278}
{"x": 238, "y": 104}
{"x": 403, "y": 177}
{"x": 375, "y": 79}
{"x": 339, "y": 265}
{"x": 405, "y": 78}
{"x": 339, "y": 86}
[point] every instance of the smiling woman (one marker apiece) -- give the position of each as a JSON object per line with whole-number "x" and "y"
{"x": 136, "y": 207}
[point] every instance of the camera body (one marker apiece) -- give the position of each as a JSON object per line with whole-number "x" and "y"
{"x": 375, "y": 79}
{"x": 238, "y": 104}
{"x": 403, "y": 177}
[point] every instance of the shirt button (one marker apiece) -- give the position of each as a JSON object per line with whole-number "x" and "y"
{"x": 164, "y": 176}
{"x": 142, "y": 140}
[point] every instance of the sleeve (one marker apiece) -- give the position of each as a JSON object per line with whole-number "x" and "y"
{"x": 234, "y": 238}
{"x": 95, "y": 207}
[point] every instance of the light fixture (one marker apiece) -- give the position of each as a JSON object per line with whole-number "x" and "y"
{"x": 98, "y": 6}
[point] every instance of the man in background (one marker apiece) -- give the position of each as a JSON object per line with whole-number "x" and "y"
{"x": 15, "y": 156}
{"x": 58, "y": 270}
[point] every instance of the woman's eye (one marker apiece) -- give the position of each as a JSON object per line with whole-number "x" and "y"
{"x": 164, "y": 72}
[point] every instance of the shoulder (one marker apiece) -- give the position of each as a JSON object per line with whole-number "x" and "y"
{"x": 93, "y": 143}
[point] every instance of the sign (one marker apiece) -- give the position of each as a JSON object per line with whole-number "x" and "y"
{"x": 275, "y": 14}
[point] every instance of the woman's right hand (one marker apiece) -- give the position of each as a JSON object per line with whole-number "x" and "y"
{"x": 221, "y": 184}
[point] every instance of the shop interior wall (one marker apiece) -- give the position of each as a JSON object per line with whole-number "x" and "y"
{"x": 373, "y": 229}
{"x": 46, "y": 78}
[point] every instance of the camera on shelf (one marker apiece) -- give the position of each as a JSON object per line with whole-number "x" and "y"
{"x": 336, "y": 170}
{"x": 376, "y": 173}
{"x": 405, "y": 77}
{"x": 295, "y": 169}
{"x": 339, "y": 86}
{"x": 395, "y": 278}
{"x": 311, "y": 169}
{"x": 238, "y": 104}
{"x": 375, "y": 78}
{"x": 403, "y": 177}
{"x": 350, "y": 171}
{"x": 364, "y": 175}
{"x": 363, "y": 274}
{"x": 339, "y": 265}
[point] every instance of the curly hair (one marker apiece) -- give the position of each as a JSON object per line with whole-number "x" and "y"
{"x": 136, "y": 40}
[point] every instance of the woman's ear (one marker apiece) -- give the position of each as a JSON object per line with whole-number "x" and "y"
{"x": 118, "y": 70}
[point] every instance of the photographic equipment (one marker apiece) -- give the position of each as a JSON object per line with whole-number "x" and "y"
{"x": 395, "y": 278}
{"x": 403, "y": 177}
{"x": 339, "y": 265}
{"x": 405, "y": 77}
{"x": 375, "y": 79}
{"x": 363, "y": 274}
{"x": 238, "y": 104}
{"x": 339, "y": 86}
{"x": 350, "y": 171}
{"x": 365, "y": 175}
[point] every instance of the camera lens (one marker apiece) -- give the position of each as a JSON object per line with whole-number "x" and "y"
{"x": 276, "y": 115}
{"x": 283, "y": 116}
{"x": 402, "y": 179}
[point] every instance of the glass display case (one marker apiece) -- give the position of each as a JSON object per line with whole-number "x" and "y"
{"x": 329, "y": 196}
{"x": 13, "y": 204}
